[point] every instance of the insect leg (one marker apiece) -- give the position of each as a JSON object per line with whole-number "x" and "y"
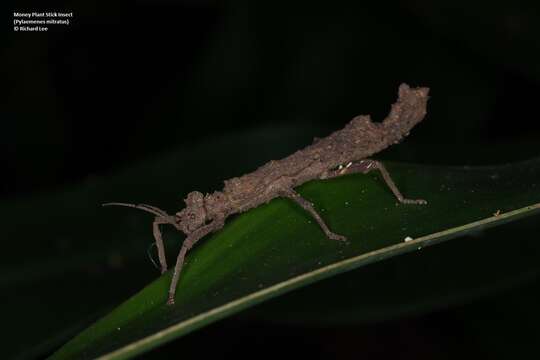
{"x": 159, "y": 242}
{"x": 293, "y": 195}
{"x": 365, "y": 166}
{"x": 176, "y": 273}
{"x": 190, "y": 240}
{"x": 161, "y": 218}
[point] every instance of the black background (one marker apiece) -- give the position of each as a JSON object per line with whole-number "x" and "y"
{"x": 128, "y": 81}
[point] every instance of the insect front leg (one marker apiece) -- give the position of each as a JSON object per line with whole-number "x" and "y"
{"x": 190, "y": 240}
{"x": 365, "y": 166}
{"x": 161, "y": 218}
{"x": 293, "y": 195}
{"x": 159, "y": 241}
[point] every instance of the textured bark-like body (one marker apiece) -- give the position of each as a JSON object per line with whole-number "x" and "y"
{"x": 360, "y": 139}
{"x": 342, "y": 152}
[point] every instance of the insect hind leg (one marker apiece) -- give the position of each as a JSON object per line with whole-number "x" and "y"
{"x": 365, "y": 166}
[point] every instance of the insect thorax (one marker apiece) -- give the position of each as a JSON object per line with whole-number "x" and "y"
{"x": 217, "y": 205}
{"x": 193, "y": 216}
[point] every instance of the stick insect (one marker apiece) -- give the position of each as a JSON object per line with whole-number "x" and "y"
{"x": 345, "y": 151}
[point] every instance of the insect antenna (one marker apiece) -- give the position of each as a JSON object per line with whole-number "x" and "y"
{"x": 148, "y": 208}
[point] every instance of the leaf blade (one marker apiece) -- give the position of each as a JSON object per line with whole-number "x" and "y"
{"x": 323, "y": 257}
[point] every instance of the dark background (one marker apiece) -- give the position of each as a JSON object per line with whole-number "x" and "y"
{"x": 127, "y": 82}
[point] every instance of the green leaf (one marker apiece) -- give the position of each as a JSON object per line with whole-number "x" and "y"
{"x": 480, "y": 264}
{"x": 277, "y": 247}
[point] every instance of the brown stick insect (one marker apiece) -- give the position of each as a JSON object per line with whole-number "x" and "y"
{"x": 343, "y": 152}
